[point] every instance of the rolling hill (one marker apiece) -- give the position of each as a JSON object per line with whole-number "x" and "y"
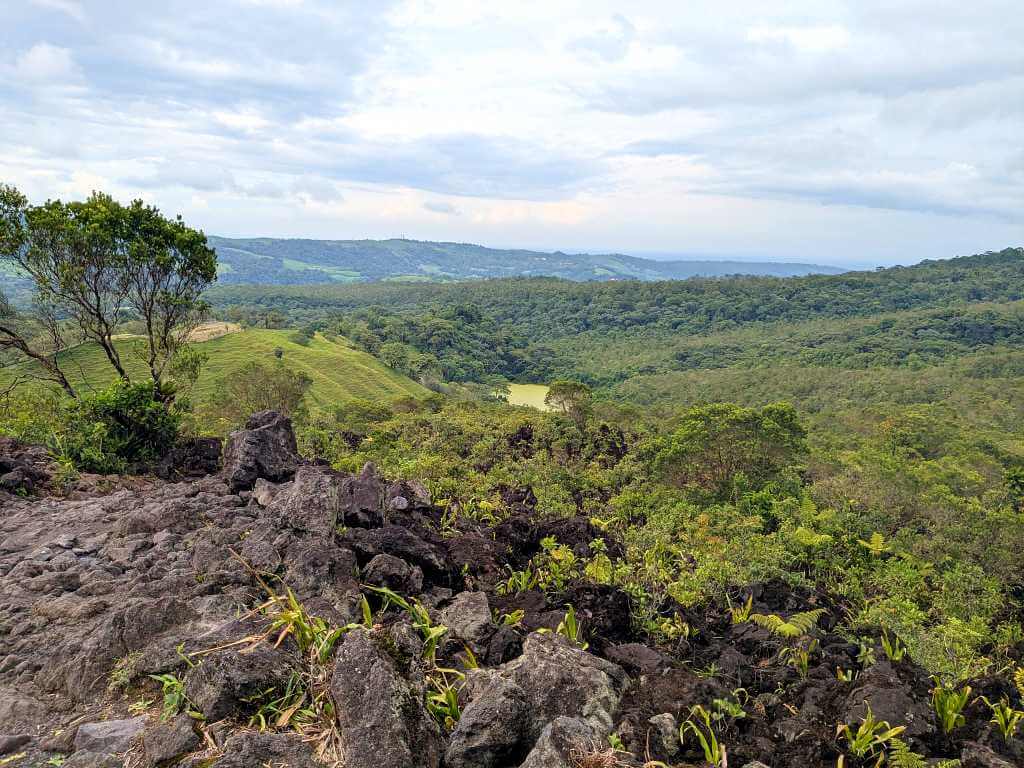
{"x": 300, "y": 262}
{"x": 339, "y": 371}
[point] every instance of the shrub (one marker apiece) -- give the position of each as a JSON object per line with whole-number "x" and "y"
{"x": 122, "y": 425}
{"x": 256, "y": 387}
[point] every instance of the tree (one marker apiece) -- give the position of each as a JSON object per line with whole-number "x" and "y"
{"x": 257, "y": 387}
{"x": 96, "y": 264}
{"x": 395, "y": 356}
{"x": 573, "y": 398}
{"x": 37, "y": 340}
{"x": 715, "y": 443}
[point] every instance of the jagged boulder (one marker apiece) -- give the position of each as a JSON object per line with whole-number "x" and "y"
{"x": 108, "y": 735}
{"x": 281, "y": 750}
{"x": 311, "y": 502}
{"x": 220, "y": 685}
{"x": 562, "y": 680}
{"x": 889, "y": 698}
{"x": 514, "y": 706}
{"x": 564, "y": 743}
{"x": 264, "y": 448}
{"x": 400, "y": 542}
{"x": 165, "y": 741}
{"x": 381, "y": 716}
{"x": 468, "y": 618}
{"x": 362, "y": 499}
{"x": 192, "y": 458}
{"x": 491, "y": 730}
{"x": 394, "y": 573}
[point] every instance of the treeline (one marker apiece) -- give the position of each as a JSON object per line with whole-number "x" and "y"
{"x": 543, "y": 309}
{"x": 459, "y": 343}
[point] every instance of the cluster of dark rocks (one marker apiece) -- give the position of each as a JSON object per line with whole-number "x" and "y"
{"x": 101, "y": 591}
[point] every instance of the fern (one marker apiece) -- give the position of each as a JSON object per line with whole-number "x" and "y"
{"x": 901, "y": 756}
{"x": 805, "y": 537}
{"x": 1018, "y": 680}
{"x": 876, "y": 545}
{"x": 796, "y": 625}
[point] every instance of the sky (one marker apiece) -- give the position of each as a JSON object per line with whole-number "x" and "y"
{"x": 859, "y": 133}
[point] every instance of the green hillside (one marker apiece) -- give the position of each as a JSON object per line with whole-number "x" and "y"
{"x": 339, "y": 371}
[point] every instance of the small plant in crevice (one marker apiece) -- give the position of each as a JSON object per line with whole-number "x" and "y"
{"x": 518, "y": 581}
{"x": 798, "y": 655}
{"x": 420, "y": 616}
{"x": 276, "y": 709}
{"x": 513, "y": 620}
{"x": 949, "y": 705}
{"x": 741, "y": 614}
{"x": 175, "y": 700}
{"x": 123, "y": 672}
{"x": 570, "y": 628}
{"x": 1005, "y": 717}
{"x": 894, "y": 649}
{"x": 699, "y": 725}
{"x": 443, "y": 696}
{"x": 870, "y": 738}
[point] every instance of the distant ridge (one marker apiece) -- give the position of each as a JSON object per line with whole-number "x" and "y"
{"x": 300, "y": 261}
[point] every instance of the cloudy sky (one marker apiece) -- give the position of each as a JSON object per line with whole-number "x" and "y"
{"x": 861, "y": 132}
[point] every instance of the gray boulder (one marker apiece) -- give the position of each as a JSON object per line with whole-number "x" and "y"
{"x": 381, "y": 716}
{"x": 92, "y": 760}
{"x": 562, "y": 680}
{"x": 362, "y": 499}
{"x": 165, "y": 741}
{"x": 492, "y": 728}
{"x": 394, "y": 573}
{"x": 311, "y": 502}
{"x": 564, "y": 743}
{"x": 264, "y": 448}
{"x": 281, "y": 750}
{"x": 219, "y": 686}
{"x": 512, "y": 707}
{"x": 665, "y": 734}
{"x": 468, "y": 618}
{"x": 12, "y": 743}
{"x": 975, "y": 755}
{"x": 890, "y": 699}
{"x": 108, "y": 736}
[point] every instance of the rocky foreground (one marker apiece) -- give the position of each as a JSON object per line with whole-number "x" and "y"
{"x": 293, "y": 616}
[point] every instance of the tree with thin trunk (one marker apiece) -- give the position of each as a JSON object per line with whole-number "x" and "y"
{"x": 95, "y": 264}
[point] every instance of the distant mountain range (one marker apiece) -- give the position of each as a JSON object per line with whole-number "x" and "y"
{"x": 295, "y": 262}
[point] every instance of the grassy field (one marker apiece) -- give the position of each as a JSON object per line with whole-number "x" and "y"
{"x": 339, "y": 371}
{"x": 528, "y": 394}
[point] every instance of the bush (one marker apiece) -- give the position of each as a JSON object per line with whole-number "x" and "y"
{"x": 255, "y": 386}
{"x": 123, "y": 425}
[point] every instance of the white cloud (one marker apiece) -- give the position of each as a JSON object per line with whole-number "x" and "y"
{"x": 46, "y": 63}
{"x": 803, "y": 39}
{"x": 815, "y": 130}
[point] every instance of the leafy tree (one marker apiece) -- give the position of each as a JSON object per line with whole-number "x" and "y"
{"x": 715, "y": 444}
{"x": 573, "y": 398}
{"x": 96, "y": 264}
{"x": 395, "y": 356}
{"x": 256, "y": 387}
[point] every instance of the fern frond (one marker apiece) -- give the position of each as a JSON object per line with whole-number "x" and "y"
{"x": 876, "y": 545}
{"x": 807, "y": 620}
{"x": 798, "y": 624}
{"x": 901, "y": 756}
{"x": 1018, "y": 680}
